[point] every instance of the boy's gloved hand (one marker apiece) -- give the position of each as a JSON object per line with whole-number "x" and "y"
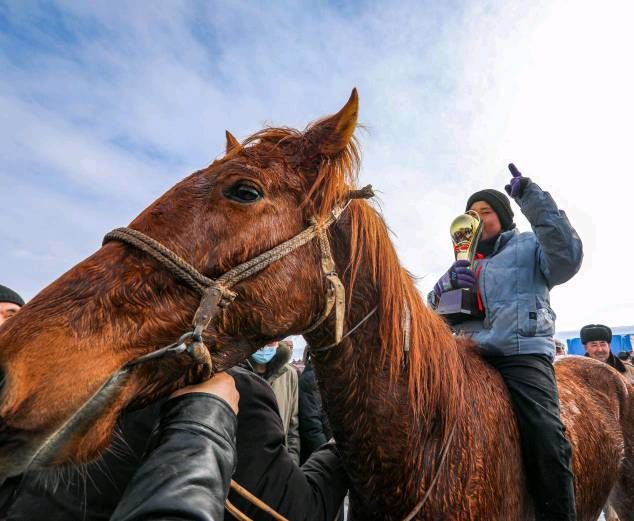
{"x": 458, "y": 276}
{"x": 516, "y": 187}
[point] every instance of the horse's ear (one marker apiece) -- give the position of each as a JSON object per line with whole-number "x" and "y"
{"x": 332, "y": 134}
{"x": 232, "y": 142}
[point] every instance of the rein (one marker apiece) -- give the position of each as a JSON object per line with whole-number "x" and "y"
{"x": 441, "y": 462}
{"x": 315, "y": 350}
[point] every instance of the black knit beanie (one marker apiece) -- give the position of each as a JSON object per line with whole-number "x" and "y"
{"x": 8, "y": 295}
{"x": 595, "y": 333}
{"x": 498, "y": 202}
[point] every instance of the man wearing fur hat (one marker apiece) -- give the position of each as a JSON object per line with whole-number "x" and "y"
{"x": 10, "y": 303}
{"x": 513, "y": 275}
{"x": 272, "y": 363}
{"x": 596, "y": 340}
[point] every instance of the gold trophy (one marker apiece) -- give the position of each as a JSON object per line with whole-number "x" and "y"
{"x": 458, "y": 305}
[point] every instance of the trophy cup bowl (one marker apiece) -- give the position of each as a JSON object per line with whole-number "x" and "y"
{"x": 459, "y": 305}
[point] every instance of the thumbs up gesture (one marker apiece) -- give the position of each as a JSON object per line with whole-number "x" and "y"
{"x": 516, "y": 187}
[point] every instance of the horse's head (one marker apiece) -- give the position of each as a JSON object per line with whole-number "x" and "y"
{"x": 120, "y": 303}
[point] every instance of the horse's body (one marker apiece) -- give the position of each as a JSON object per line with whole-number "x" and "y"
{"x": 482, "y": 477}
{"x": 400, "y": 393}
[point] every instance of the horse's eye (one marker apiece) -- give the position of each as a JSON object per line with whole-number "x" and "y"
{"x": 242, "y": 193}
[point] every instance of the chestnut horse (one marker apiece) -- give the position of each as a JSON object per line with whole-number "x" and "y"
{"x": 413, "y": 408}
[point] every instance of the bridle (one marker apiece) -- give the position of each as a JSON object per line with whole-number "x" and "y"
{"x": 216, "y": 294}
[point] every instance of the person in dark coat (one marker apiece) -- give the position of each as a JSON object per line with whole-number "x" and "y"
{"x": 91, "y": 495}
{"x": 313, "y": 492}
{"x": 314, "y": 428}
{"x": 272, "y": 363}
{"x": 596, "y": 340}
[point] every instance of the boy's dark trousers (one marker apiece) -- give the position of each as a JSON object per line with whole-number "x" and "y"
{"x": 546, "y": 452}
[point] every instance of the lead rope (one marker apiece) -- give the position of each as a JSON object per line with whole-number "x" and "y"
{"x": 359, "y": 324}
{"x": 254, "y": 500}
{"x": 443, "y": 456}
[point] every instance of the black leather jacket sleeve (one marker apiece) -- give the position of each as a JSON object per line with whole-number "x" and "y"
{"x": 190, "y": 459}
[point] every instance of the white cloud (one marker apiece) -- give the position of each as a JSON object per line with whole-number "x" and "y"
{"x": 109, "y": 104}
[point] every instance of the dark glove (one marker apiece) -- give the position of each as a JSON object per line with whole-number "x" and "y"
{"x": 516, "y": 187}
{"x": 458, "y": 276}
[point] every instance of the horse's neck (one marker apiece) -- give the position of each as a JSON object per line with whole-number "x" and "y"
{"x": 373, "y": 420}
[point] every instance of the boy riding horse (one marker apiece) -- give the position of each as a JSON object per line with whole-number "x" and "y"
{"x": 513, "y": 275}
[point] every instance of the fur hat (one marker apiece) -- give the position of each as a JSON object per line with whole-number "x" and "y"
{"x": 595, "y": 332}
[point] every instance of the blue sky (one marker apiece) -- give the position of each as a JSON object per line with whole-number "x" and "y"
{"x": 105, "y": 105}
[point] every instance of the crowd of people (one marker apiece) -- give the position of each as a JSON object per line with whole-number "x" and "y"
{"x": 262, "y": 423}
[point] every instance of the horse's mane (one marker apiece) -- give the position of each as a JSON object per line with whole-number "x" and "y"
{"x": 431, "y": 364}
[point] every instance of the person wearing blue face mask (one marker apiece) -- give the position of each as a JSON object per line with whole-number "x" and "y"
{"x": 271, "y": 362}
{"x": 263, "y": 356}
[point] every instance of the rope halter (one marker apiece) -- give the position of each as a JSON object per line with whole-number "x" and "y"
{"x": 217, "y": 293}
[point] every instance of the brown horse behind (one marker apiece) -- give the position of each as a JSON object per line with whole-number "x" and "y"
{"x": 394, "y": 411}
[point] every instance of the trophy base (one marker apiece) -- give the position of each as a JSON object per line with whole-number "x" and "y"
{"x": 459, "y": 305}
